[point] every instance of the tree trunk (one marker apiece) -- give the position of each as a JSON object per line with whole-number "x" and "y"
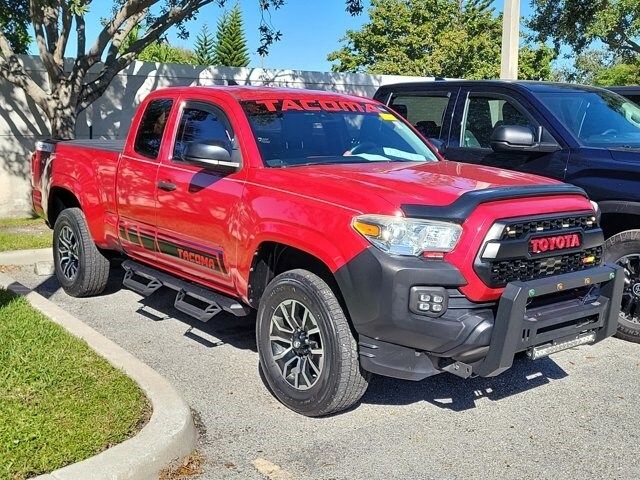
{"x": 63, "y": 111}
{"x": 63, "y": 123}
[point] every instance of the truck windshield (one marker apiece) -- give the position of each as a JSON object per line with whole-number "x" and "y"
{"x": 596, "y": 119}
{"x": 310, "y": 132}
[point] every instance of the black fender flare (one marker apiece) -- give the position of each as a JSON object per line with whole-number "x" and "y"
{"x": 619, "y": 206}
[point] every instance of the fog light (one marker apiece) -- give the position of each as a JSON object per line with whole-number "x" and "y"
{"x": 429, "y": 301}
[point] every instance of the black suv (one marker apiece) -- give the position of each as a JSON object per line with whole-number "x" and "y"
{"x": 582, "y": 135}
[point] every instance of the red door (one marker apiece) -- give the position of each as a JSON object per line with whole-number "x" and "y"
{"x": 136, "y": 189}
{"x": 197, "y": 207}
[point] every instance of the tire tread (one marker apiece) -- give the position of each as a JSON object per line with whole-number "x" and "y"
{"x": 617, "y": 241}
{"x": 95, "y": 275}
{"x": 352, "y": 381}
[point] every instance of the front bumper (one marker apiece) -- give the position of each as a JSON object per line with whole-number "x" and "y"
{"x": 518, "y": 328}
{"x": 470, "y": 339}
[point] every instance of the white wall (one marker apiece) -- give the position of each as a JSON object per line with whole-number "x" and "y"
{"x": 21, "y": 125}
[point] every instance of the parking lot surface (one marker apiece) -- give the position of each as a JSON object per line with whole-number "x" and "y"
{"x": 574, "y": 415}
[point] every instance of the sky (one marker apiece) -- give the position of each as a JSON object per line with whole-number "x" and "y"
{"x": 311, "y": 30}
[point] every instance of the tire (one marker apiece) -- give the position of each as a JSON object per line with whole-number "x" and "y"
{"x": 624, "y": 249}
{"x": 91, "y": 273}
{"x": 337, "y": 382}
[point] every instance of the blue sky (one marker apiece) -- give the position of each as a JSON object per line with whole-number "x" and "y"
{"x": 311, "y": 29}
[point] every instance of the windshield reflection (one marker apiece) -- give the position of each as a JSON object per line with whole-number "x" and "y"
{"x": 596, "y": 119}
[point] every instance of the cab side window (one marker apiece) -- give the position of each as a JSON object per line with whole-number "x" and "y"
{"x": 425, "y": 112}
{"x": 483, "y": 114}
{"x": 151, "y": 129}
{"x": 201, "y": 124}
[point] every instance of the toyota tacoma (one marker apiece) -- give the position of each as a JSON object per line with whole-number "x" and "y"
{"x": 361, "y": 249}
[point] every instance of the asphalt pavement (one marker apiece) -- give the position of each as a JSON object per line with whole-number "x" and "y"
{"x": 573, "y": 415}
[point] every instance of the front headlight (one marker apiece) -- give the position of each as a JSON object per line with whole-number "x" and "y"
{"x": 407, "y": 236}
{"x": 596, "y": 208}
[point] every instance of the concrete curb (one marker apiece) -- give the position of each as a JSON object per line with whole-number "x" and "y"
{"x": 26, "y": 257}
{"x": 170, "y": 433}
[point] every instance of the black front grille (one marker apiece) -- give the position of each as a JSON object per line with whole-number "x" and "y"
{"x": 524, "y": 269}
{"x": 518, "y": 230}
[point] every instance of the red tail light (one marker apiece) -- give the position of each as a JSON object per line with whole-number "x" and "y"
{"x": 39, "y": 159}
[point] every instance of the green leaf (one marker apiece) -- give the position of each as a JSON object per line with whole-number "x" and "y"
{"x": 231, "y": 44}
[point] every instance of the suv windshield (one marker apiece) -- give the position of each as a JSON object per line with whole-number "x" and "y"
{"x": 596, "y": 119}
{"x": 309, "y": 132}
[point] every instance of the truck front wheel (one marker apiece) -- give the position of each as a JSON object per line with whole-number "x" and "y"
{"x": 80, "y": 267}
{"x": 308, "y": 355}
{"x": 624, "y": 249}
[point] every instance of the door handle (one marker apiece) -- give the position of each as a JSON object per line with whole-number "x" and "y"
{"x": 166, "y": 186}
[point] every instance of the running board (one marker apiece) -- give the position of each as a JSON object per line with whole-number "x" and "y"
{"x": 194, "y": 300}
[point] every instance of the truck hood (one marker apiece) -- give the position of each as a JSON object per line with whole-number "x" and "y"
{"x": 435, "y": 183}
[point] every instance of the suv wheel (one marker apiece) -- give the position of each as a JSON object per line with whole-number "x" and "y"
{"x": 80, "y": 267}
{"x": 308, "y": 355}
{"x": 624, "y": 249}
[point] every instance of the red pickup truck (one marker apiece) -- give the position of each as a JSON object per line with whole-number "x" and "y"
{"x": 361, "y": 249}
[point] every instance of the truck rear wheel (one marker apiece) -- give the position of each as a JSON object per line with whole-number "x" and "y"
{"x": 624, "y": 249}
{"x": 308, "y": 355}
{"x": 80, "y": 267}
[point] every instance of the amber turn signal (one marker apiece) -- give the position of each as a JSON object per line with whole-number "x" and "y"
{"x": 367, "y": 229}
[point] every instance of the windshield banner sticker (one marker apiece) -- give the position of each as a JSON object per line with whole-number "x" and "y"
{"x": 302, "y": 105}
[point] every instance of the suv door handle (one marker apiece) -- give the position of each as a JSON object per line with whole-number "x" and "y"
{"x": 166, "y": 186}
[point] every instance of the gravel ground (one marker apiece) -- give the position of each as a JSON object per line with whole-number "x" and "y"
{"x": 575, "y": 415}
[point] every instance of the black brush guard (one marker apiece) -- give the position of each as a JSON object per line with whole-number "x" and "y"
{"x": 518, "y": 329}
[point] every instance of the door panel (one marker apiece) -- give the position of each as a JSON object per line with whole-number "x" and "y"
{"x": 196, "y": 220}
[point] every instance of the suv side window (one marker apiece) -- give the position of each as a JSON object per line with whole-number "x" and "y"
{"x": 151, "y": 129}
{"x": 200, "y": 123}
{"x": 483, "y": 114}
{"x": 425, "y": 112}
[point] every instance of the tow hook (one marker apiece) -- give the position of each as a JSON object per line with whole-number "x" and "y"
{"x": 459, "y": 369}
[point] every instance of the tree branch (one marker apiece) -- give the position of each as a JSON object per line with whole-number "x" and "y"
{"x": 12, "y": 70}
{"x": 50, "y": 20}
{"x": 94, "y": 89}
{"x": 47, "y": 58}
{"x": 130, "y": 8}
{"x": 81, "y": 33}
{"x": 63, "y": 38}
{"x": 635, "y": 46}
{"x": 122, "y": 35}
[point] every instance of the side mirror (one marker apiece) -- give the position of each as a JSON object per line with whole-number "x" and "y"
{"x": 212, "y": 154}
{"x": 519, "y": 139}
{"x": 437, "y": 144}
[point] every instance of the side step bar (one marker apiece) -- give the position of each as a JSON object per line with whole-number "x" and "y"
{"x": 194, "y": 300}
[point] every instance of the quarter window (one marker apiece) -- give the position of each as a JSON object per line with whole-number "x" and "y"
{"x": 152, "y": 126}
{"x": 426, "y": 113}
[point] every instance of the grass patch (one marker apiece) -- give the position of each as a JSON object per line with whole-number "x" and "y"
{"x": 24, "y": 233}
{"x": 59, "y": 401}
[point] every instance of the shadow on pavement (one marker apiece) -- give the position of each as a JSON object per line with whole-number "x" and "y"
{"x": 222, "y": 329}
{"x": 453, "y": 393}
{"x": 444, "y": 390}
{"x": 50, "y": 285}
